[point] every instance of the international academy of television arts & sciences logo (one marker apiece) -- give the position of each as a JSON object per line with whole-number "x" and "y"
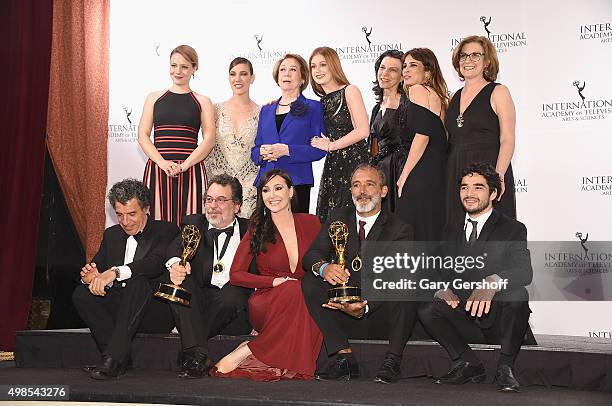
{"x": 601, "y": 184}
{"x": 371, "y": 45}
{"x": 259, "y": 52}
{"x": 582, "y": 106}
{"x": 125, "y": 130}
{"x": 503, "y": 40}
{"x": 601, "y": 32}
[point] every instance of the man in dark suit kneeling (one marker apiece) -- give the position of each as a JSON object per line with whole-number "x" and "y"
{"x": 115, "y": 300}
{"x": 365, "y": 221}
{"x": 496, "y": 313}
{"x": 216, "y": 306}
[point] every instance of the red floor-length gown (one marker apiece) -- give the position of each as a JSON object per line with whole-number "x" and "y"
{"x": 289, "y": 340}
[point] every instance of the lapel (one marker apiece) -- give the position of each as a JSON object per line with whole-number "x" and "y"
{"x": 288, "y": 119}
{"x": 488, "y": 227}
{"x": 378, "y": 226}
{"x": 206, "y": 251}
{"x": 352, "y": 246}
{"x": 243, "y": 225}
{"x": 146, "y": 240}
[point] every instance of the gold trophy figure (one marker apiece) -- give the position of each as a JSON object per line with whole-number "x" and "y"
{"x": 338, "y": 233}
{"x": 191, "y": 239}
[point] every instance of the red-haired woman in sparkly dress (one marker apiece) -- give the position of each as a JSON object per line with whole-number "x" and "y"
{"x": 175, "y": 173}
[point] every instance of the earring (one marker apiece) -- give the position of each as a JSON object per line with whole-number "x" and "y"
{"x": 265, "y": 212}
{"x": 193, "y": 76}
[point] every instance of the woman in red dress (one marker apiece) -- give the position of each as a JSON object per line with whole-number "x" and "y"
{"x": 289, "y": 340}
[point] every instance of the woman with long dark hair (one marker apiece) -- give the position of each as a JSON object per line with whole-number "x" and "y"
{"x": 421, "y": 182}
{"x": 289, "y": 340}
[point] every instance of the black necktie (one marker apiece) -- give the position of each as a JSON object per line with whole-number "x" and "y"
{"x": 474, "y": 233}
{"x": 215, "y": 233}
{"x": 362, "y": 235}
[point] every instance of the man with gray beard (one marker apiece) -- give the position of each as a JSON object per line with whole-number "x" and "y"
{"x": 216, "y": 306}
{"x": 366, "y": 222}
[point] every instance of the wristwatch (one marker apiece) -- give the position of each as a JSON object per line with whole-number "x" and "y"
{"x": 116, "y": 271}
{"x": 316, "y": 267}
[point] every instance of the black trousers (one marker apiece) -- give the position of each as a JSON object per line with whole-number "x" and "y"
{"x": 302, "y": 198}
{"x": 455, "y": 328}
{"x": 337, "y": 326}
{"x": 212, "y": 311}
{"x": 115, "y": 318}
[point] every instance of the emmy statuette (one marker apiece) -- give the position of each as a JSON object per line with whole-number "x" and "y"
{"x": 191, "y": 239}
{"x": 338, "y": 233}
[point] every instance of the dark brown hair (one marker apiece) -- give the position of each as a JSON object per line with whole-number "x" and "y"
{"x": 430, "y": 63}
{"x": 238, "y": 61}
{"x": 262, "y": 225}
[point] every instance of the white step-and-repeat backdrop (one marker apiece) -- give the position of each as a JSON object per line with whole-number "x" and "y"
{"x": 555, "y": 58}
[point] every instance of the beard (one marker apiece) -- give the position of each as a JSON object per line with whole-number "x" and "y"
{"x": 214, "y": 219}
{"x": 480, "y": 207}
{"x": 369, "y": 206}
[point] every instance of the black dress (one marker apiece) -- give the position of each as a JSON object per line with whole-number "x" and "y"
{"x": 477, "y": 140}
{"x": 334, "y": 189}
{"x": 422, "y": 202}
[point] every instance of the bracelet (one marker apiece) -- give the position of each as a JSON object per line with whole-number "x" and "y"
{"x": 321, "y": 268}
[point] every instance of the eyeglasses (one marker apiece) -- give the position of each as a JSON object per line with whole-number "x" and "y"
{"x": 220, "y": 200}
{"x": 474, "y": 56}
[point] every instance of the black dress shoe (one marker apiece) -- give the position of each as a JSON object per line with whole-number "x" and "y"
{"x": 463, "y": 372}
{"x": 344, "y": 368}
{"x": 90, "y": 368}
{"x": 506, "y": 382}
{"x": 196, "y": 367}
{"x": 389, "y": 372}
{"x": 110, "y": 368}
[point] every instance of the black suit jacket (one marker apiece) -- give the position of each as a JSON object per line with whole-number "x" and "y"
{"x": 150, "y": 252}
{"x": 202, "y": 261}
{"x": 505, "y": 242}
{"x": 387, "y": 227}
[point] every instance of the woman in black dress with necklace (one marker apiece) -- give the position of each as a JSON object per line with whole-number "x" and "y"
{"x": 346, "y": 121}
{"x": 480, "y": 122}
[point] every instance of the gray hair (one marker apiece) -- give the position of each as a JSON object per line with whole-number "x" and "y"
{"x": 127, "y": 190}
{"x": 381, "y": 174}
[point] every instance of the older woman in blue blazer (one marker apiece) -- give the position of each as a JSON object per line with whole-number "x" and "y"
{"x": 286, "y": 128}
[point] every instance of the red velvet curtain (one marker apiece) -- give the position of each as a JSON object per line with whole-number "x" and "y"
{"x": 25, "y": 32}
{"x": 78, "y": 112}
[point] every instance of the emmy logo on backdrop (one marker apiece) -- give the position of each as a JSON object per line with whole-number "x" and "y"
{"x": 486, "y": 24}
{"x": 583, "y": 241}
{"x": 580, "y": 88}
{"x": 338, "y": 233}
{"x": 128, "y": 114}
{"x": 367, "y": 34}
{"x": 191, "y": 239}
{"x": 258, "y": 38}
{"x": 157, "y": 44}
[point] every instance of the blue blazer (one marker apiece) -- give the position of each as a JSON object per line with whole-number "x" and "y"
{"x": 296, "y": 132}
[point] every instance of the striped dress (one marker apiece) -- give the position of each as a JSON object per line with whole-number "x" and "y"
{"x": 176, "y": 122}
